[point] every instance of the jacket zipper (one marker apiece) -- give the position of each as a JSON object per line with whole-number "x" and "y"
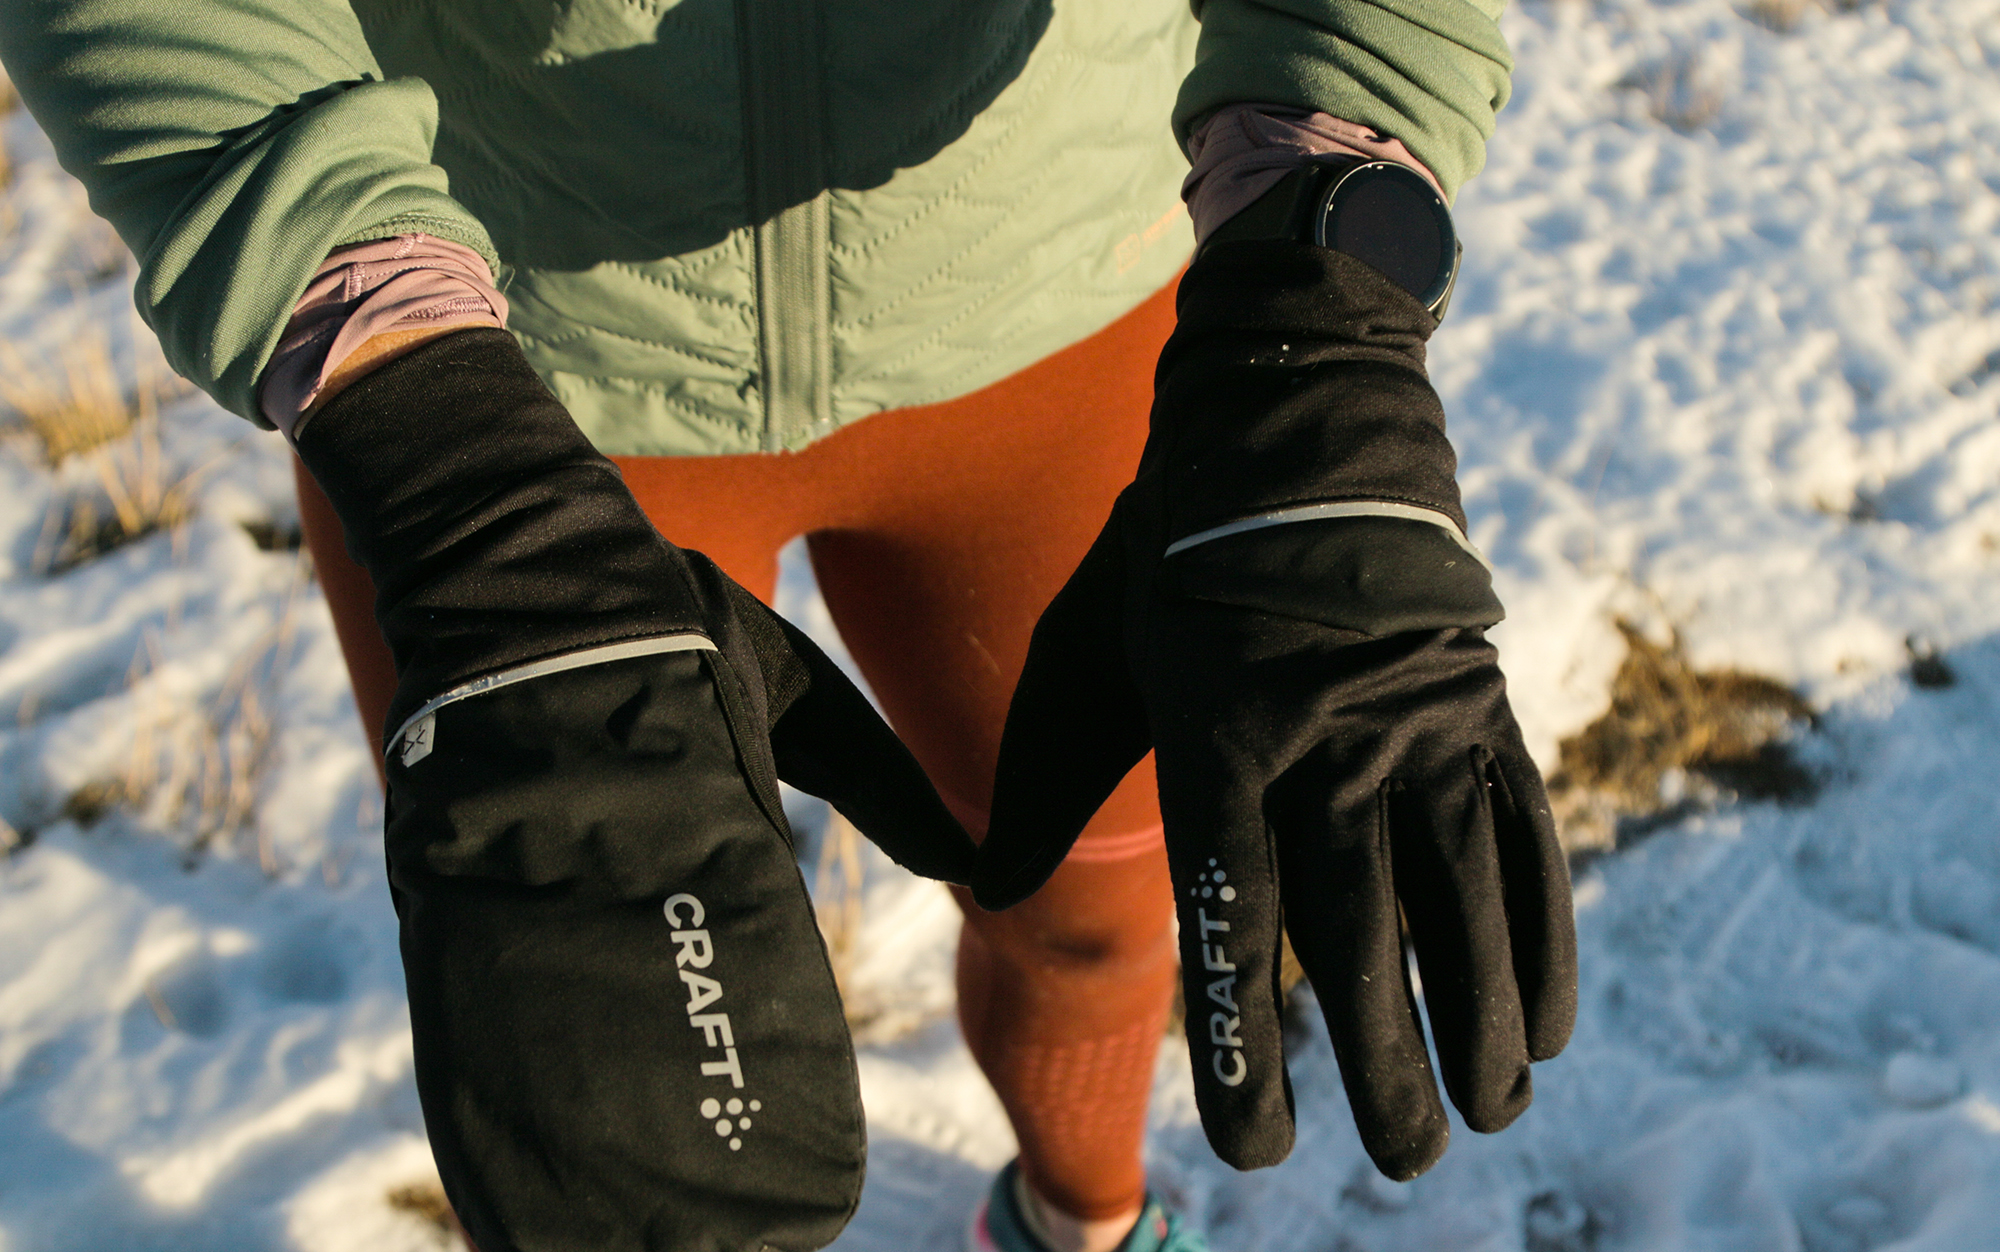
{"x": 784, "y": 133}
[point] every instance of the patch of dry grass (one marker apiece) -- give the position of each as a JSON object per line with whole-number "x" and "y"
{"x": 426, "y": 1202}
{"x": 199, "y": 769}
{"x": 77, "y": 406}
{"x": 138, "y": 492}
{"x": 1673, "y": 738}
{"x": 837, "y": 889}
{"x": 1781, "y": 16}
{"x": 73, "y": 404}
{"x": 1679, "y": 90}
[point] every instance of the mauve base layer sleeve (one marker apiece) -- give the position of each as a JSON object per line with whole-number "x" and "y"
{"x": 363, "y": 290}
{"x": 1242, "y": 151}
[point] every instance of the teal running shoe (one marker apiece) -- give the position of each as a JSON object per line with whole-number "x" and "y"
{"x": 1000, "y": 1227}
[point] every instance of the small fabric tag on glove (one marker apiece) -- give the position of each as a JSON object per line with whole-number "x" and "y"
{"x": 417, "y": 739}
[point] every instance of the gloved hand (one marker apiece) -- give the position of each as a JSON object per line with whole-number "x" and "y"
{"x": 1283, "y": 606}
{"x": 627, "y": 1034}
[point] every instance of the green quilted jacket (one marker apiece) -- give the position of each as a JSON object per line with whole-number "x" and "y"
{"x": 723, "y": 225}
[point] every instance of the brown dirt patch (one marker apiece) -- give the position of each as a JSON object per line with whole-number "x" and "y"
{"x": 1674, "y": 740}
{"x": 426, "y": 1202}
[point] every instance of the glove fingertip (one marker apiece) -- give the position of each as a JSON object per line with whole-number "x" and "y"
{"x": 1404, "y": 1130}
{"x": 1266, "y": 1145}
{"x": 1407, "y": 1156}
{"x": 1497, "y": 1104}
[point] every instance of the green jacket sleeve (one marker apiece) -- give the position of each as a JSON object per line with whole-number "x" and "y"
{"x": 1431, "y": 73}
{"x": 233, "y": 144}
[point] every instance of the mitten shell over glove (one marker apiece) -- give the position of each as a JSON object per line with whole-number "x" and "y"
{"x": 627, "y": 1034}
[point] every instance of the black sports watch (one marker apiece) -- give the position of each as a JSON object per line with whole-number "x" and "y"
{"x": 1380, "y": 212}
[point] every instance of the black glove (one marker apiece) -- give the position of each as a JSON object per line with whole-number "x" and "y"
{"x": 1284, "y": 607}
{"x": 627, "y": 1034}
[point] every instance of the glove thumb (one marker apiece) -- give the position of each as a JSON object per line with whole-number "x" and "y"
{"x": 828, "y": 740}
{"x": 1075, "y": 728}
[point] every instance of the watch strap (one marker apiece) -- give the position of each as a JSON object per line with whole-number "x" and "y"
{"x": 1286, "y": 210}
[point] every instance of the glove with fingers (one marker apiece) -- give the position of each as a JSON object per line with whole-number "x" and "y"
{"x": 627, "y": 1034}
{"x": 1284, "y": 608}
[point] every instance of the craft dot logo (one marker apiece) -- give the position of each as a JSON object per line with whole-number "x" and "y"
{"x": 1213, "y": 885}
{"x": 737, "y": 1121}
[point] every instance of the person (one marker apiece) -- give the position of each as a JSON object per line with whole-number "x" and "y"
{"x": 895, "y": 278}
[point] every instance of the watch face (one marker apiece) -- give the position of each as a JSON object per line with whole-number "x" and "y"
{"x": 1388, "y": 216}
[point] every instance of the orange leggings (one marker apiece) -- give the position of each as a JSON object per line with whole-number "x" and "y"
{"x": 937, "y": 535}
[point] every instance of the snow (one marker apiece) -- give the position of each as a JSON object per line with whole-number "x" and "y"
{"x": 1725, "y": 360}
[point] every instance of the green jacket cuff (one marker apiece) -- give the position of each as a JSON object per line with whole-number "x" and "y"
{"x": 1432, "y": 73}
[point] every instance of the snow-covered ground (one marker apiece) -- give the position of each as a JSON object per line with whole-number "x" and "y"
{"x": 1725, "y": 361}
